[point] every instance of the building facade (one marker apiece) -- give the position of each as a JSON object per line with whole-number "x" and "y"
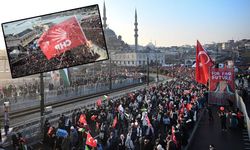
{"x": 138, "y": 58}
{"x": 23, "y": 38}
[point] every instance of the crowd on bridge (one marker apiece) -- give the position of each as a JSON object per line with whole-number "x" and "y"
{"x": 25, "y": 89}
{"x": 160, "y": 117}
{"x": 16, "y": 91}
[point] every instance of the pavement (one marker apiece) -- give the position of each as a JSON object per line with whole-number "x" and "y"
{"x": 209, "y": 132}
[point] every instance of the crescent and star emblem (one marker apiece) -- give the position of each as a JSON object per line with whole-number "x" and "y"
{"x": 205, "y": 60}
{"x": 90, "y": 139}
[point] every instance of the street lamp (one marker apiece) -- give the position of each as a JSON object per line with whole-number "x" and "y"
{"x": 42, "y": 100}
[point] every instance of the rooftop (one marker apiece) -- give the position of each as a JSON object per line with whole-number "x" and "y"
{"x": 24, "y": 32}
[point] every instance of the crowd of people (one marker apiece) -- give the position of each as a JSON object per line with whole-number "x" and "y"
{"x": 35, "y": 61}
{"x": 158, "y": 118}
{"x": 92, "y": 27}
{"x": 14, "y": 90}
{"x": 28, "y": 90}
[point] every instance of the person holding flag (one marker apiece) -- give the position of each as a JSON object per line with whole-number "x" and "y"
{"x": 91, "y": 141}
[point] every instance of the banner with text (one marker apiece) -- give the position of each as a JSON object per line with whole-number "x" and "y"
{"x": 221, "y": 86}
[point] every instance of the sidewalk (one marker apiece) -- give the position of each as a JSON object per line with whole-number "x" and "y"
{"x": 210, "y": 133}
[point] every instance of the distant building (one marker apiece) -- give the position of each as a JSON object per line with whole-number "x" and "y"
{"x": 4, "y": 64}
{"x": 21, "y": 39}
{"x": 5, "y": 75}
{"x": 138, "y": 58}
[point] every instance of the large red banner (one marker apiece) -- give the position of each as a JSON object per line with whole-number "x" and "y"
{"x": 61, "y": 37}
{"x": 221, "y": 86}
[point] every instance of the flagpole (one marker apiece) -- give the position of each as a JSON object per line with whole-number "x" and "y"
{"x": 80, "y": 28}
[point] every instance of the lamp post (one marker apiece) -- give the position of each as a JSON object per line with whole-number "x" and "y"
{"x": 42, "y": 101}
{"x": 157, "y": 73}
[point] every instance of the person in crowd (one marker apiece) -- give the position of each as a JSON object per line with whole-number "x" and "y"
{"x": 15, "y": 141}
{"x": 210, "y": 113}
{"x": 121, "y": 142}
{"x": 45, "y": 130}
{"x": 73, "y": 137}
{"x": 212, "y": 147}
{"x": 240, "y": 118}
{"x": 223, "y": 118}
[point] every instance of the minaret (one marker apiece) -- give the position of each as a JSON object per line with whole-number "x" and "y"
{"x": 136, "y": 31}
{"x": 104, "y": 16}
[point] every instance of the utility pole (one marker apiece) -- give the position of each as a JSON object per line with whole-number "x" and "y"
{"x": 42, "y": 100}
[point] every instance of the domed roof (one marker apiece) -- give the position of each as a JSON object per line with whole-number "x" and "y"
{"x": 109, "y": 33}
{"x": 150, "y": 45}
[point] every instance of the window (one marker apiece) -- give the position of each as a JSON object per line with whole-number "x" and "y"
{"x": 128, "y": 62}
{"x": 139, "y": 62}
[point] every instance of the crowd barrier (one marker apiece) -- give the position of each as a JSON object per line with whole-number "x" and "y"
{"x": 241, "y": 105}
{"x": 20, "y": 103}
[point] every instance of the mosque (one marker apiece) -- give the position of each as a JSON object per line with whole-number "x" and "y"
{"x": 123, "y": 54}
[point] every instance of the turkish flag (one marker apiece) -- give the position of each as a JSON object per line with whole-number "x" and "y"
{"x": 61, "y": 37}
{"x": 203, "y": 64}
{"x": 99, "y": 102}
{"x": 173, "y": 135}
{"x": 82, "y": 119}
{"x": 91, "y": 141}
{"x": 93, "y": 117}
{"x": 148, "y": 121}
{"x": 114, "y": 122}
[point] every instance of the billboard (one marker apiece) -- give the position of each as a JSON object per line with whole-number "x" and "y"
{"x": 221, "y": 86}
{"x": 55, "y": 41}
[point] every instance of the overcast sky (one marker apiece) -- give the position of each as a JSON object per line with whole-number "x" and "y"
{"x": 166, "y": 22}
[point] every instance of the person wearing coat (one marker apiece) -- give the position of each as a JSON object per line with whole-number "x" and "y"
{"x": 129, "y": 143}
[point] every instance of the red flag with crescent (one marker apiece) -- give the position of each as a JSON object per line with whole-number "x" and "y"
{"x": 82, "y": 119}
{"x": 203, "y": 64}
{"x": 115, "y": 122}
{"x": 148, "y": 121}
{"x": 99, "y": 102}
{"x": 91, "y": 141}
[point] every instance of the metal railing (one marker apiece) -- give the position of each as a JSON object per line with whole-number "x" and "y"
{"x": 65, "y": 94}
{"x": 241, "y": 105}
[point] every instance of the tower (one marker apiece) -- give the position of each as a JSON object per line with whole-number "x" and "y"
{"x": 136, "y": 31}
{"x": 104, "y": 16}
